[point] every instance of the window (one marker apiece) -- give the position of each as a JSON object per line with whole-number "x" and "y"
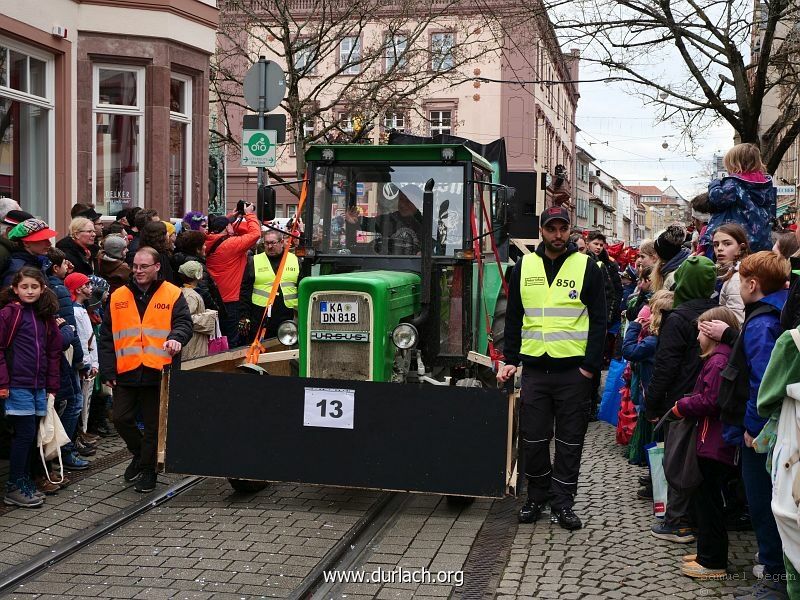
{"x": 180, "y": 143}
{"x": 308, "y": 127}
{"x": 118, "y": 152}
{"x": 395, "y": 48}
{"x": 346, "y": 122}
{"x": 442, "y": 51}
{"x": 440, "y": 122}
{"x": 27, "y": 113}
{"x": 350, "y": 55}
{"x": 394, "y": 120}
{"x": 304, "y": 60}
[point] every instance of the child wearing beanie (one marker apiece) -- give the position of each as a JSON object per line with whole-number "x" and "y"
{"x": 671, "y": 254}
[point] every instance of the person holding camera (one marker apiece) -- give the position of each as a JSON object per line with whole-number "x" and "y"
{"x": 226, "y": 249}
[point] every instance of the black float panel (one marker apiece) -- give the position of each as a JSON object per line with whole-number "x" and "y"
{"x": 423, "y": 438}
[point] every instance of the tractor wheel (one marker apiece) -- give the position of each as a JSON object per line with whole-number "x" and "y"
{"x": 247, "y": 486}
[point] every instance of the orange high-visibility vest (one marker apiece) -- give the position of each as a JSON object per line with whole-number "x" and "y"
{"x": 141, "y": 342}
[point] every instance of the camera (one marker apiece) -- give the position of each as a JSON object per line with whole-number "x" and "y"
{"x": 240, "y": 206}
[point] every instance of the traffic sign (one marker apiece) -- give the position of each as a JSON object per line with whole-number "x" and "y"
{"x": 265, "y": 81}
{"x": 274, "y": 121}
{"x": 258, "y": 147}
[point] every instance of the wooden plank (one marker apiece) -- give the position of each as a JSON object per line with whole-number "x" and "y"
{"x": 163, "y": 411}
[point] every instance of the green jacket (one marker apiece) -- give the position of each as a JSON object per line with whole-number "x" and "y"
{"x": 783, "y": 369}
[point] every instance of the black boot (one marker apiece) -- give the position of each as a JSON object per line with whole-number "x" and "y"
{"x": 530, "y": 512}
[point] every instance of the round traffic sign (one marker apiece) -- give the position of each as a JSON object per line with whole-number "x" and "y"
{"x": 265, "y": 79}
{"x": 259, "y": 144}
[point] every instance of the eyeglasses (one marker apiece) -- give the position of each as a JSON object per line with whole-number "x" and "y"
{"x": 142, "y": 267}
{"x": 272, "y": 243}
{"x": 87, "y": 231}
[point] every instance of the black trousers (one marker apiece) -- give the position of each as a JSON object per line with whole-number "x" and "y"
{"x": 563, "y": 397}
{"x": 709, "y": 508}
{"x": 128, "y": 401}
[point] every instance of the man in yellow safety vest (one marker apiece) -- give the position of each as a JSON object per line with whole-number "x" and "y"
{"x": 257, "y": 283}
{"x": 555, "y": 328}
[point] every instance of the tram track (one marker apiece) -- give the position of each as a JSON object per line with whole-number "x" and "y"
{"x": 349, "y": 553}
{"x": 344, "y": 554}
{"x": 74, "y": 543}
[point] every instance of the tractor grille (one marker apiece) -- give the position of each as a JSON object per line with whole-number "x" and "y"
{"x": 341, "y": 360}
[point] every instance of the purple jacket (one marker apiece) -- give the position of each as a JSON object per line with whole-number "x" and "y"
{"x": 34, "y": 348}
{"x": 702, "y": 405}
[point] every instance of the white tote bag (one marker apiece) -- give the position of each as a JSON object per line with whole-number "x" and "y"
{"x": 786, "y": 471}
{"x": 51, "y": 437}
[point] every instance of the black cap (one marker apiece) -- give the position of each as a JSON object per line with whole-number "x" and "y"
{"x": 90, "y": 214}
{"x": 217, "y": 223}
{"x": 554, "y": 212}
{"x": 15, "y": 217}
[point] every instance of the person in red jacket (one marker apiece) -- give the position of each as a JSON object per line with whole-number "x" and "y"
{"x": 226, "y": 258}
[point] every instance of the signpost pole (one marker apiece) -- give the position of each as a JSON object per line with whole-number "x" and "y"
{"x": 263, "y": 176}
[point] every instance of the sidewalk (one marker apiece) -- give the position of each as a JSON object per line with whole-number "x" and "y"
{"x": 614, "y": 555}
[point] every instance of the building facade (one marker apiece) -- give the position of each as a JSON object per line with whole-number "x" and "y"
{"x": 476, "y": 100}
{"x": 105, "y": 102}
{"x": 583, "y": 193}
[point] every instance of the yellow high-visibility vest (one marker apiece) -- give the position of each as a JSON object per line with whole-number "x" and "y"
{"x": 265, "y": 276}
{"x": 555, "y": 322}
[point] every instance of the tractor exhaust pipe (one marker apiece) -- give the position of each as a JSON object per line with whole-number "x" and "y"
{"x": 427, "y": 254}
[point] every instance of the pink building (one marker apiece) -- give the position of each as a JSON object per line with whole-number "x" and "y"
{"x": 516, "y": 83}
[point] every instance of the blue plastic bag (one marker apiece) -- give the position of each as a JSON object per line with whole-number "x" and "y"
{"x": 612, "y": 396}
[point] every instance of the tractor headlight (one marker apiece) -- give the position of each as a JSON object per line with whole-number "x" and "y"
{"x": 287, "y": 333}
{"x": 405, "y": 336}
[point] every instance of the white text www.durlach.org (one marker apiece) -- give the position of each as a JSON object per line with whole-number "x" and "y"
{"x": 397, "y": 575}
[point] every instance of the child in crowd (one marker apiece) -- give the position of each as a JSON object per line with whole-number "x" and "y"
{"x": 678, "y": 360}
{"x": 715, "y": 458}
{"x": 730, "y": 247}
{"x": 31, "y": 346}
{"x": 639, "y": 299}
{"x": 763, "y": 280}
{"x": 783, "y": 369}
{"x": 639, "y": 347}
{"x": 746, "y": 196}
{"x": 786, "y": 244}
{"x": 79, "y": 289}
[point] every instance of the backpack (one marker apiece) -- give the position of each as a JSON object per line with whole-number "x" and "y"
{"x": 786, "y": 471}
{"x": 734, "y": 390}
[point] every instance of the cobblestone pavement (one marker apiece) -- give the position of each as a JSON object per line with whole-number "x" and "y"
{"x": 614, "y": 555}
{"x": 27, "y": 532}
{"x": 211, "y": 543}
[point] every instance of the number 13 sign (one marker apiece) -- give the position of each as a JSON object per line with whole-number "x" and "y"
{"x": 326, "y": 407}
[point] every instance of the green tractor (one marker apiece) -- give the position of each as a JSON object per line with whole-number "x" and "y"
{"x": 392, "y": 288}
{"x": 404, "y": 255}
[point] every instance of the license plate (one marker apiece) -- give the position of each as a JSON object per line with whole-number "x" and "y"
{"x": 338, "y": 312}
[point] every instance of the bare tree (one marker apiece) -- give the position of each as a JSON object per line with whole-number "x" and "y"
{"x": 700, "y": 60}
{"x": 347, "y": 62}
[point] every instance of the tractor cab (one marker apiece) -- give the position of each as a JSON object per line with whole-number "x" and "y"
{"x": 399, "y": 227}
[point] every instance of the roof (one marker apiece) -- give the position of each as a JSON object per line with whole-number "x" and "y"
{"x": 644, "y": 190}
{"x": 395, "y": 152}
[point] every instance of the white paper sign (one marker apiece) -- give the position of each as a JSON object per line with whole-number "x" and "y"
{"x": 326, "y": 407}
